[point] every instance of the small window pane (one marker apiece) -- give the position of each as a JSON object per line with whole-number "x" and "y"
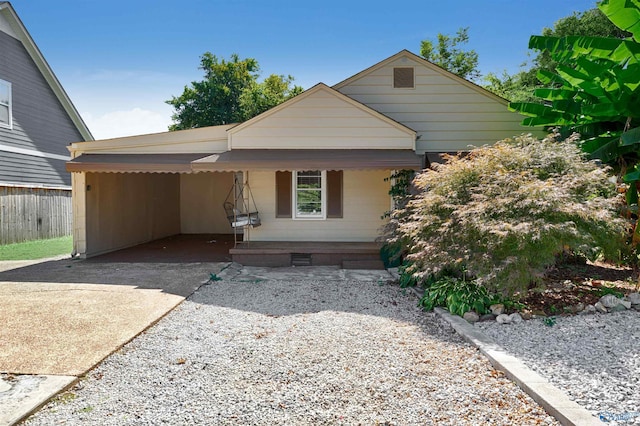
{"x": 4, "y": 93}
{"x": 310, "y": 179}
{"x": 4, "y": 114}
{"x": 309, "y": 203}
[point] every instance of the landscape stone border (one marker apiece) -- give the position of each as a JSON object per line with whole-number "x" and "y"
{"x": 552, "y": 399}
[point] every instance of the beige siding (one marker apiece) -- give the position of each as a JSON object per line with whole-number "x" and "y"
{"x": 125, "y": 209}
{"x": 366, "y": 198}
{"x": 201, "y": 198}
{"x": 319, "y": 120}
{"x": 202, "y": 140}
{"x": 210, "y": 147}
{"x": 447, "y": 114}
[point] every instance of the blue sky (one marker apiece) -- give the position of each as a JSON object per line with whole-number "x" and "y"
{"x": 120, "y": 60}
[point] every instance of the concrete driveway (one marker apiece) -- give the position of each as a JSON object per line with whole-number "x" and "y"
{"x": 63, "y": 316}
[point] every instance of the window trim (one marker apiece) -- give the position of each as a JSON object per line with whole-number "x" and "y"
{"x": 413, "y": 75}
{"x": 9, "y": 106}
{"x": 294, "y": 195}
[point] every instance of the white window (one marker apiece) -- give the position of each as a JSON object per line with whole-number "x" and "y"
{"x": 309, "y": 195}
{"x": 5, "y": 104}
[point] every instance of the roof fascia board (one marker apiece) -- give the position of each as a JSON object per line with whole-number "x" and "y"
{"x": 426, "y": 63}
{"x": 322, "y": 87}
{"x": 14, "y": 20}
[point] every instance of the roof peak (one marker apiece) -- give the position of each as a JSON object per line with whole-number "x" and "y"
{"x": 8, "y": 12}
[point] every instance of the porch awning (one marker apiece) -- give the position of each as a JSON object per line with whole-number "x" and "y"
{"x": 249, "y": 159}
{"x": 133, "y": 163}
{"x": 308, "y": 159}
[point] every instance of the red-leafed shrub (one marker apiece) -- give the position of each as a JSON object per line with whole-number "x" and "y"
{"x": 504, "y": 213}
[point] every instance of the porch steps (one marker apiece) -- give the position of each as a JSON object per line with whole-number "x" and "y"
{"x": 348, "y": 255}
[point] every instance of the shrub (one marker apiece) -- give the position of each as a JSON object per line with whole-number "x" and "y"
{"x": 458, "y": 296}
{"x": 503, "y": 213}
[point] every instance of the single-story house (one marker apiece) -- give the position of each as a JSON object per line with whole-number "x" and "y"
{"x": 313, "y": 171}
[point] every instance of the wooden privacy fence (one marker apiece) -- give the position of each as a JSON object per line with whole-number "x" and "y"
{"x": 34, "y": 213}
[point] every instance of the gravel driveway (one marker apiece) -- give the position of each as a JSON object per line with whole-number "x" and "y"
{"x": 296, "y": 352}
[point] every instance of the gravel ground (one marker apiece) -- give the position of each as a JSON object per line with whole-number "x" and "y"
{"x": 296, "y": 352}
{"x": 594, "y": 359}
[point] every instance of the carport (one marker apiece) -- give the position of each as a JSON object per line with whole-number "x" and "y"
{"x": 153, "y": 205}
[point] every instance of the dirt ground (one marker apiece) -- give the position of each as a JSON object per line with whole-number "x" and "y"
{"x": 570, "y": 286}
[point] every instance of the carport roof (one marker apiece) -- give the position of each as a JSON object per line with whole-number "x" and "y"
{"x": 249, "y": 159}
{"x": 132, "y": 163}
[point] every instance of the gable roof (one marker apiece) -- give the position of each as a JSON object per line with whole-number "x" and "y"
{"x": 317, "y": 88}
{"x": 20, "y": 32}
{"x": 407, "y": 54}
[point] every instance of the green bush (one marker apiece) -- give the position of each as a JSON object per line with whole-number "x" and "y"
{"x": 504, "y": 213}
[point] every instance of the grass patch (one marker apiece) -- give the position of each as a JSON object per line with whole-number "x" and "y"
{"x": 37, "y": 249}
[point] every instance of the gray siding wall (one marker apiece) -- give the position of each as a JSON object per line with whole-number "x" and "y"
{"x": 39, "y": 121}
{"x": 28, "y": 169}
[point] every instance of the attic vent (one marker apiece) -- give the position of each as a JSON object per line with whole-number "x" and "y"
{"x": 403, "y": 78}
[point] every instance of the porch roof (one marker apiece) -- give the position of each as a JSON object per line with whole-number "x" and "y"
{"x": 249, "y": 159}
{"x": 306, "y": 159}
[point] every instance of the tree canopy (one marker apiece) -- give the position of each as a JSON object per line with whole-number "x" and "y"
{"x": 229, "y": 93}
{"x": 519, "y": 87}
{"x": 447, "y": 54}
{"x": 595, "y": 91}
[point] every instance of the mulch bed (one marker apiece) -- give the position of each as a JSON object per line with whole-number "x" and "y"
{"x": 570, "y": 285}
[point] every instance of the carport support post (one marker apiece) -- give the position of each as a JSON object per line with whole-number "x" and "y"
{"x": 246, "y": 201}
{"x": 79, "y": 202}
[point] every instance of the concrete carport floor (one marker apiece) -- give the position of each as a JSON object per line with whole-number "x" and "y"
{"x": 60, "y": 317}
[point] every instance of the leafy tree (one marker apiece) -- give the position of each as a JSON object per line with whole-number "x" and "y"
{"x": 449, "y": 56}
{"x": 591, "y": 23}
{"x": 229, "y": 93}
{"x": 519, "y": 87}
{"x": 511, "y": 87}
{"x": 595, "y": 90}
{"x": 504, "y": 213}
{"x": 259, "y": 97}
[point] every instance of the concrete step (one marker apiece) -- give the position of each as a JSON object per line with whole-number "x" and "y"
{"x": 363, "y": 264}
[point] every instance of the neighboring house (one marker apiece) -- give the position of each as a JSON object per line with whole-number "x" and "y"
{"x": 37, "y": 122}
{"x": 317, "y": 166}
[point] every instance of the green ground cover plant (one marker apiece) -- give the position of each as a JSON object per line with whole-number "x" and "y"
{"x": 37, "y": 249}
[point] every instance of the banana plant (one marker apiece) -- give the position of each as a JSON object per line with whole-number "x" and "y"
{"x": 595, "y": 91}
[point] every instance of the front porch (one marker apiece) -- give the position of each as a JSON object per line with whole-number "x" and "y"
{"x": 348, "y": 255}
{"x": 190, "y": 248}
